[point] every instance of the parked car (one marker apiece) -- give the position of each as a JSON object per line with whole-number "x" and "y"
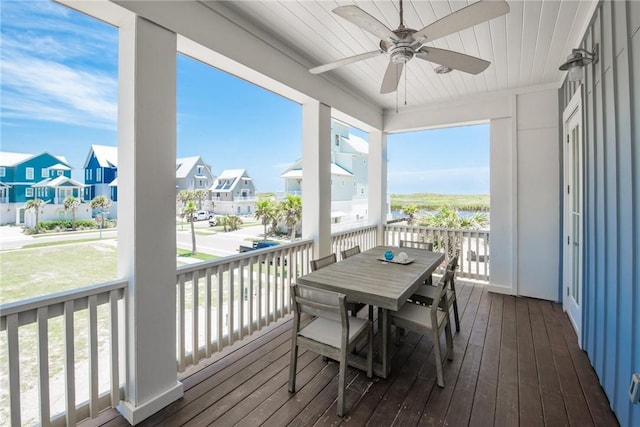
{"x": 201, "y": 216}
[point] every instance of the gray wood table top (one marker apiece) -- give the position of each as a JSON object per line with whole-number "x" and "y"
{"x": 366, "y": 279}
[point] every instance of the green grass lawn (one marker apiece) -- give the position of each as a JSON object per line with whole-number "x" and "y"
{"x": 55, "y": 268}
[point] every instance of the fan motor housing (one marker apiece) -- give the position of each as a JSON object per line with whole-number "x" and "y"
{"x": 401, "y": 50}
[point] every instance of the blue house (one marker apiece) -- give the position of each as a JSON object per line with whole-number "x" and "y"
{"x": 24, "y": 177}
{"x": 100, "y": 172}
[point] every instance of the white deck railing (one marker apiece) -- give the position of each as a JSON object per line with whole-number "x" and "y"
{"x": 220, "y": 302}
{"x": 471, "y": 245}
{"x": 365, "y": 237}
{"x": 74, "y": 322}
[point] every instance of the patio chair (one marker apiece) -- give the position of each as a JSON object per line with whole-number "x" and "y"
{"x": 350, "y": 252}
{"x": 426, "y": 294}
{"x": 323, "y": 262}
{"x": 355, "y": 307}
{"x": 331, "y": 333}
{"x": 427, "y": 246}
{"x": 428, "y": 321}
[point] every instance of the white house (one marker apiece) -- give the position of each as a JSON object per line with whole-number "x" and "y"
{"x": 349, "y": 175}
{"x": 192, "y": 173}
{"x": 234, "y": 193}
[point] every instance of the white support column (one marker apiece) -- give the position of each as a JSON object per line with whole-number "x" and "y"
{"x": 146, "y": 214}
{"x": 316, "y": 182}
{"x": 378, "y": 181}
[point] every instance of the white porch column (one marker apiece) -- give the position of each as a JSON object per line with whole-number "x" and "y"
{"x": 378, "y": 181}
{"x": 316, "y": 181}
{"x": 146, "y": 214}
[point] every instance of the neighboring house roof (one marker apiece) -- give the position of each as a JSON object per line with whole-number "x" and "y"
{"x": 59, "y": 181}
{"x": 228, "y": 179}
{"x": 186, "y": 165}
{"x": 14, "y": 159}
{"x": 107, "y": 156}
{"x": 357, "y": 144}
{"x": 60, "y": 166}
{"x": 297, "y": 173}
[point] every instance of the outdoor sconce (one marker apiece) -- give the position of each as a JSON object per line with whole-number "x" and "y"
{"x": 578, "y": 59}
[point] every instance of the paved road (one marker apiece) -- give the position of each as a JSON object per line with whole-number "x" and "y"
{"x": 216, "y": 243}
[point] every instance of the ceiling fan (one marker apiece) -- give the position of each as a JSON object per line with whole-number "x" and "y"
{"x": 403, "y": 44}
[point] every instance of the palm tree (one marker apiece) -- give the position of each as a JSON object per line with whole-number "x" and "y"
{"x": 447, "y": 217}
{"x": 101, "y": 203}
{"x": 410, "y": 211}
{"x": 265, "y": 211}
{"x": 36, "y": 204}
{"x": 71, "y": 203}
{"x": 291, "y": 211}
{"x": 200, "y": 195}
{"x": 188, "y": 210}
{"x": 233, "y": 222}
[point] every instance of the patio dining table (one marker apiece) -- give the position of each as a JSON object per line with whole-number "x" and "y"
{"x": 368, "y": 279}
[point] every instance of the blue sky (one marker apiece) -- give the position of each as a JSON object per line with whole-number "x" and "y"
{"x": 59, "y": 94}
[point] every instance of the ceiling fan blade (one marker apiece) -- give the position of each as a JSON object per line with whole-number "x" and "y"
{"x": 344, "y": 61}
{"x": 391, "y": 77}
{"x": 466, "y": 17}
{"x": 453, "y": 60}
{"x": 365, "y": 21}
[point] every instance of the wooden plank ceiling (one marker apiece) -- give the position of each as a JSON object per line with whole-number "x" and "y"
{"x": 525, "y": 47}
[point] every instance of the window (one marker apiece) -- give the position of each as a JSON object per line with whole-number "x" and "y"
{"x": 98, "y": 174}
{"x": 29, "y": 173}
{"x": 199, "y": 170}
{"x": 59, "y": 173}
{"x": 45, "y": 172}
{"x": 3, "y": 171}
{"x": 89, "y": 174}
{"x": 28, "y": 192}
{"x": 337, "y": 140}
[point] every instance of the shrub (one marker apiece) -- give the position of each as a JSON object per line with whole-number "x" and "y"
{"x": 63, "y": 224}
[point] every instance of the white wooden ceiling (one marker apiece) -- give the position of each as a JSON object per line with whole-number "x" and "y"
{"x": 525, "y": 47}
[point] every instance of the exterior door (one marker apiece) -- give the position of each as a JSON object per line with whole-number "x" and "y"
{"x": 573, "y": 208}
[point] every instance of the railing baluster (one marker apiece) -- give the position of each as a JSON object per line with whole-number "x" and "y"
{"x": 219, "y": 306}
{"x": 260, "y": 289}
{"x": 231, "y": 302}
{"x": 181, "y": 324}
{"x": 241, "y": 299}
{"x": 14, "y": 369}
{"x": 43, "y": 364}
{"x": 195, "y": 308}
{"x": 114, "y": 341}
{"x": 93, "y": 356}
{"x": 69, "y": 368}
{"x": 250, "y": 297}
{"x": 207, "y": 313}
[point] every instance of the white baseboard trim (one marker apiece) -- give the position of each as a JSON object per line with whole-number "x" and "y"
{"x": 500, "y": 289}
{"x": 136, "y": 414}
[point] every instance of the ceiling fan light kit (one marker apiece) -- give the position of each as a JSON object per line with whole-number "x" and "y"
{"x": 403, "y": 44}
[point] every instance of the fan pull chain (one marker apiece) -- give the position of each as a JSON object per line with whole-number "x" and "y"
{"x": 396, "y": 66}
{"x": 405, "y": 84}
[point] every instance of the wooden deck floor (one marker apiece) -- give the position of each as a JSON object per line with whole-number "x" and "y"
{"x": 516, "y": 362}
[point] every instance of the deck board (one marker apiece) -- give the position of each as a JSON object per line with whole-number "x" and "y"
{"x": 516, "y": 363}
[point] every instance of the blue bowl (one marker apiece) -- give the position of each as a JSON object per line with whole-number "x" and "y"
{"x": 388, "y": 255}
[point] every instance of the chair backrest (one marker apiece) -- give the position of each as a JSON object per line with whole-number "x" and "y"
{"x": 418, "y": 245}
{"x": 320, "y": 303}
{"x": 323, "y": 262}
{"x": 453, "y": 263}
{"x": 350, "y": 252}
{"x": 440, "y": 293}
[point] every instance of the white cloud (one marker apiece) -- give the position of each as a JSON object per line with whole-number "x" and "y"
{"x": 50, "y": 67}
{"x": 46, "y": 90}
